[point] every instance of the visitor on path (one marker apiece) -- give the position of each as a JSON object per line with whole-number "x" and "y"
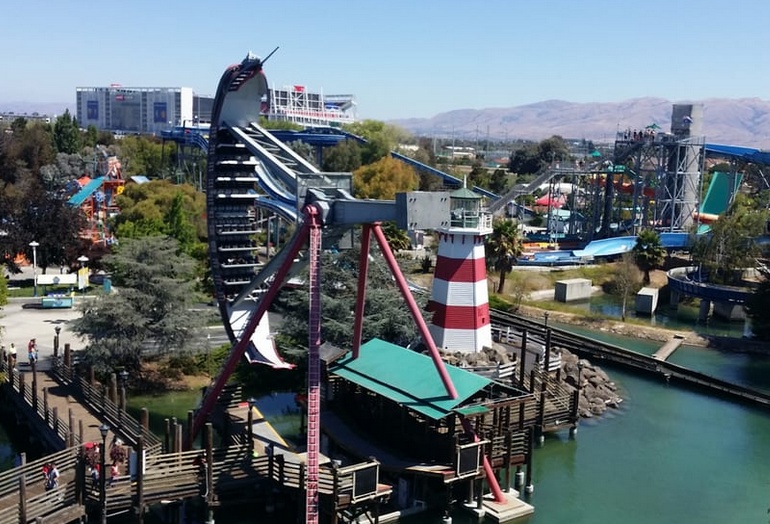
{"x": 12, "y": 356}
{"x": 53, "y": 477}
{"x": 32, "y": 351}
{"x": 95, "y": 476}
{"x": 114, "y": 473}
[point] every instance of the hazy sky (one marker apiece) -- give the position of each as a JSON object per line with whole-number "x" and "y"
{"x": 400, "y": 58}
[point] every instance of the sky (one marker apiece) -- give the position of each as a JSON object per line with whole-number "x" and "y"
{"x": 400, "y": 58}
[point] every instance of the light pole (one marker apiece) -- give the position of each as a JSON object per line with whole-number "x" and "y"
{"x": 57, "y": 330}
{"x": 546, "y": 319}
{"x": 34, "y": 244}
{"x": 103, "y": 429}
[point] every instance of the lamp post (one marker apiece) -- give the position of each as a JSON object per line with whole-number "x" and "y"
{"x": 545, "y": 315}
{"x": 34, "y": 245}
{"x": 103, "y": 429}
{"x": 57, "y": 330}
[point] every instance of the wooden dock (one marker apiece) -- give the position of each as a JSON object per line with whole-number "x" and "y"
{"x": 667, "y": 349}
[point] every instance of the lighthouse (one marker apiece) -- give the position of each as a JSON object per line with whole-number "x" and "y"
{"x": 459, "y": 299}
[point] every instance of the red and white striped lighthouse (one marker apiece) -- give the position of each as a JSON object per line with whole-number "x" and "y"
{"x": 459, "y": 299}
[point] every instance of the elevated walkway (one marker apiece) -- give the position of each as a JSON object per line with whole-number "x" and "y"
{"x": 667, "y": 349}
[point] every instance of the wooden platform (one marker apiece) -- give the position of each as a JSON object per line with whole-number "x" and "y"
{"x": 667, "y": 349}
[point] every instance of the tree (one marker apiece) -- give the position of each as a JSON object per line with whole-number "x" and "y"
{"x": 397, "y": 238}
{"x": 730, "y": 246}
{"x": 626, "y": 281}
{"x": 385, "y": 315}
{"x": 66, "y": 134}
{"x": 147, "y": 156}
{"x": 648, "y": 252}
{"x": 152, "y": 305}
{"x": 757, "y": 309}
{"x": 383, "y": 179}
{"x": 531, "y": 158}
{"x": 344, "y": 157}
{"x": 503, "y": 248}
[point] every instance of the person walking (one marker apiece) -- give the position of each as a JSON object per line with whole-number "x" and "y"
{"x": 32, "y": 351}
{"x": 12, "y": 356}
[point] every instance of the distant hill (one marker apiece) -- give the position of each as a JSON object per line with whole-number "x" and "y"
{"x": 43, "y": 108}
{"x": 744, "y": 121}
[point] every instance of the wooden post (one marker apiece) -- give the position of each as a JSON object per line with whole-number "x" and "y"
{"x": 335, "y": 492}
{"x": 22, "y": 488}
{"x": 172, "y": 435}
{"x": 91, "y": 374}
{"x": 209, "y": 435}
{"x": 166, "y": 435}
{"x": 68, "y": 357}
{"x": 547, "y": 364}
{"x": 80, "y": 474}
{"x": 56, "y": 347}
{"x": 71, "y": 429}
{"x": 34, "y": 385}
{"x": 528, "y": 487}
{"x": 21, "y": 385}
{"x": 113, "y": 388}
{"x": 140, "y": 480}
{"x": 523, "y": 370}
{"x": 46, "y": 416}
{"x": 281, "y": 460}
{"x": 81, "y": 433}
{"x": 144, "y": 418}
{"x": 250, "y": 430}
{"x": 190, "y": 419}
{"x": 56, "y": 420}
{"x": 104, "y": 398}
{"x": 508, "y": 454}
{"x": 178, "y": 439}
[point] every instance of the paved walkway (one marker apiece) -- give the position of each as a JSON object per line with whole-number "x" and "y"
{"x": 20, "y": 320}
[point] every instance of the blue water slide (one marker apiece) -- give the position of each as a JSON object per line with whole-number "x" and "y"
{"x": 607, "y": 247}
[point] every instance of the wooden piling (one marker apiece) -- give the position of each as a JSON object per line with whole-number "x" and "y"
{"x": 47, "y": 416}
{"x": 144, "y": 418}
{"x": 166, "y": 435}
{"x": 140, "y": 480}
{"x": 190, "y": 420}
{"x": 68, "y": 357}
{"x": 22, "y": 488}
{"x": 113, "y": 382}
{"x": 71, "y": 429}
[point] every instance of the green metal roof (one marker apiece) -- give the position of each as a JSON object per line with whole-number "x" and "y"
{"x": 407, "y": 378}
{"x": 464, "y": 193}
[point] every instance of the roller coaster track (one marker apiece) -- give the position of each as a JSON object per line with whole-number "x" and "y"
{"x": 603, "y": 352}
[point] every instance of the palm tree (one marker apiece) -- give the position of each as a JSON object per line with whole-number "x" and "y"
{"x": 648, "y": 252}
{"x": 503, "y": 248}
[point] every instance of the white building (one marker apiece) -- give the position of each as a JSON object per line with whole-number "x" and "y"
{"x": 146, "y": 110}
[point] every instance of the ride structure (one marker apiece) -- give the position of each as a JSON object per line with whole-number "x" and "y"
{"x": 249, "y": 170}
{"x": 97, "y": 199}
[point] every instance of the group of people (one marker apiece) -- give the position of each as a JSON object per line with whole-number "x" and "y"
{"x": 51, "y": 475}
{"x": 31, "y": 353}
{"x": 93, "y": 461}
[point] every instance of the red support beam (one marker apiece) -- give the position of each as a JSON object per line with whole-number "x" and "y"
{"x": 239, "y": 348}
{"x": 313, "y": 367}
{"x": 363, "y": 271}
{"x": 414, "y": 309}
{"x": 488, "y": 471}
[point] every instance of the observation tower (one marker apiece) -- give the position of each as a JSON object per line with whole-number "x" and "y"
{"x": 459, "y": 299}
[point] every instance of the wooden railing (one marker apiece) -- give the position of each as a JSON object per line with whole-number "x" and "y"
{"x": 23, "y": 496}
{"x": 47, "y": 417}
{"x": 97, "y": 399}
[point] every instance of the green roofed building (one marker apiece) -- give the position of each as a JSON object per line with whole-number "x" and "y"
{"x": 391, "y": 403}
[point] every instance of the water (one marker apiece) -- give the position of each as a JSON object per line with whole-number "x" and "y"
{"x": 684, "y": 317}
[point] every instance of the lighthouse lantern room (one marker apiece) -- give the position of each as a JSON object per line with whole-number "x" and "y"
{"x": 459, "y": 299}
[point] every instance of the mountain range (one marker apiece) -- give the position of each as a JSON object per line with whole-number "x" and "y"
{"x": 744, "y": 121}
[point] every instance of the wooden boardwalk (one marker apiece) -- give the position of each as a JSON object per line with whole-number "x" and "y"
{"x": 667, "y": 349}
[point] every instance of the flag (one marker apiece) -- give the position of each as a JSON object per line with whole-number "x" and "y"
{"x": 299, "y": 89}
